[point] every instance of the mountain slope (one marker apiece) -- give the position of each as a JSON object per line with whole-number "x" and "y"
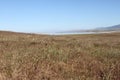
{"x": 113, "y": 28}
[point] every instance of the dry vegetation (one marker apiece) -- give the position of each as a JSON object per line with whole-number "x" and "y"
{"x": 72, "y": 57}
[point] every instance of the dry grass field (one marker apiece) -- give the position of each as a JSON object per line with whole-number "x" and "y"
{"x": 68, "y": 57}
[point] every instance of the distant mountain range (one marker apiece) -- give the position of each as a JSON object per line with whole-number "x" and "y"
{"x": 115, "y": 28}
{"x": 100, "y": 29}
{"x": 111, "y": 28}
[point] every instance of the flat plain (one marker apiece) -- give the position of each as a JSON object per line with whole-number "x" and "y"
{"x": 66, "y": 57}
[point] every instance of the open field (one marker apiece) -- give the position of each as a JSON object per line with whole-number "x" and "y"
{"x": 70, "y": 57}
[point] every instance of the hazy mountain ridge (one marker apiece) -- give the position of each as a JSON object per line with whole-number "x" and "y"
{"x": 99, "y": 29}
{"x": 111, "y": 28}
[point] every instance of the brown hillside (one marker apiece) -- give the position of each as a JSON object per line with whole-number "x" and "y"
{"x": 68, "y": 57}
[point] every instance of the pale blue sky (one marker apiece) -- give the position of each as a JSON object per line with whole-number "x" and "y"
{"x": 57, "y": 15}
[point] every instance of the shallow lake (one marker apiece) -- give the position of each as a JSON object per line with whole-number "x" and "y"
{"x": 72, "y": 33}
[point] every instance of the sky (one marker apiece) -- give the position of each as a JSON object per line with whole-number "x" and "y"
{"x": 57, "y": 15}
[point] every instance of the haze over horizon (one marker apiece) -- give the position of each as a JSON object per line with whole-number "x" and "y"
{"x": 57, "y": 15}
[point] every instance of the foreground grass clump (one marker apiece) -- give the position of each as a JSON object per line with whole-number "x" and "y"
{"x": 72, "y": 57}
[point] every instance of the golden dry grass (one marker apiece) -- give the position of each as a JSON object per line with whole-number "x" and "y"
{"x": 68, "y": 57}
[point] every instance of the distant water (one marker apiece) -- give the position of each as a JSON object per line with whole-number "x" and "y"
{"x": 72, "y": 33}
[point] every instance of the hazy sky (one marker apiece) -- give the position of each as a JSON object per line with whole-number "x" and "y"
{"x": 57, "y": 15}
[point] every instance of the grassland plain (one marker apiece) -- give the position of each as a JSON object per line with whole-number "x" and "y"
{"x": 67, "y": 57}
